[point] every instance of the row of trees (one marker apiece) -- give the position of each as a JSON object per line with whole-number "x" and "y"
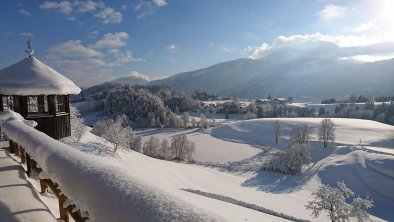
{"x": 180, "y": 148}
{"x": 298, "y": 152}
{"x": 326, "y": 132}
{"x": 121, "y": 135}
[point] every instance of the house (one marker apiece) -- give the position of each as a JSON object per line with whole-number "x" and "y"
{"x": 39, "y": 93}
{"x": 280, "y": 101}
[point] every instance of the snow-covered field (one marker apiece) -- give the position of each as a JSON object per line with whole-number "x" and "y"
{"x": 225, "y": 182}
{"x": 368, "y": 168}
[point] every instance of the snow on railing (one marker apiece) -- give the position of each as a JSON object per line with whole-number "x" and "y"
{"x": 106, "y": 190}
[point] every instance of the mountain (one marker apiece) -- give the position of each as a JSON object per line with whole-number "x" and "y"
{"x": 131, "y": 80}
{"x": 311, "y": 73}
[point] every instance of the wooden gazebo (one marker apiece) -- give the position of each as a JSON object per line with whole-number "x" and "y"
{"x": 39, "y": 93}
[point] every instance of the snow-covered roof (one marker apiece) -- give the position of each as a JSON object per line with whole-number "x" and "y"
{"x": 32, "y": 77}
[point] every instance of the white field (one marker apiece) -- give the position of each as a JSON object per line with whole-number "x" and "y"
{"x": 367, "y": 169}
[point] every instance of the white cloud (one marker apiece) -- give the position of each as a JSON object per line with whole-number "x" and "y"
{"x": 99, "y": 10}
{"x": 64, "y": 6}
{"x": 145, "y": 8}
{"x": 24, "y": 12}
{"x": 259, "y": 51}
{"x": 332, "y": 11}
{"x": 72, "y": 48}
{"x": 91, "y": 64}
{"x": 71, "y": 18}
{"x": 160, "y": 3}
{"x": 86, "y": 6}
{"x": 139, "y": 75}
{"x": 364, "y": 27}
{"x": 109, "y": 15}
{"x": 112, "y": 40}
{"x": 171, "y": 47}
{"x": 368, "y": 58}
{"x": 344, "y": 47}
{"x": 340, "y": 40}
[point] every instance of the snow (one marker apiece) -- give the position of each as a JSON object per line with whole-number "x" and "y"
{"x": 153, "y": 189}
{"x": 18, "y": 200}
{"x": 101, "y": 182}
{"x": 32, "y": 77}
{"x": 208, "y": 148}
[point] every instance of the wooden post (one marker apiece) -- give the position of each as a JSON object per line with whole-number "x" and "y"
{"x": 63, "y": 210}
{"x": 12, "y": 149}
{"x": 28, "y": 164}
{"x": 17, "y": 153}
{"x": 43, "y": 185}
{"x": 23, "y": 156}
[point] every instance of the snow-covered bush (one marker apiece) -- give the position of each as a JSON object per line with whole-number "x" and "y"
{"x": 78, "y": 127}
{"x": 333, "y": 200}
{"x": 117, "y": 132}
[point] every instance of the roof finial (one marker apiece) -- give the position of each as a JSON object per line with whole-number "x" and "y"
{"x": 29, "y": 50}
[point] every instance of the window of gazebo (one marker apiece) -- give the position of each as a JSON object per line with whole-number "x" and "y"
{"x": 8, "y": 102}
{"x": 37, "y": 105}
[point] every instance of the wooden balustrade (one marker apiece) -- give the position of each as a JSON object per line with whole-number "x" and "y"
{"x": 64, "y": 210}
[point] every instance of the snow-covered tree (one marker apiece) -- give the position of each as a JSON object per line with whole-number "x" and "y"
{"x": 250, "y": 115}
{"x": 186, "y": 119}
{"x": 182, "y": 148}
{"x": 151, "y": 147}
{"x": 203, "y": 122}
{"x": 194, "y": 122}
{"x": 277, "y": 126}
{"x": 78, "y": 127}
{"x": 114, "y": 131}
{"x": 300, "y": 135}
{"x": 326, "y": 131}
{"x": 252, "y": 108}
{"x": 135, "y": 143}
{"x": 165, "y": 151}
{"x": 333, "y": 200}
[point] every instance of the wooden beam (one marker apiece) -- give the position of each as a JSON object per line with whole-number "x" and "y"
{"x": 28, "y": 164}
{"x": 12, "y": 147}
{"x": 1, "y": 103}
{"x": 23, "y": 154}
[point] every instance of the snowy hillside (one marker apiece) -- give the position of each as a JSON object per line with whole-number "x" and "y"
{"x": 212, "y": 189}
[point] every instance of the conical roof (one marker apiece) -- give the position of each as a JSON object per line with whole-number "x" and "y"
{"x": 32, "y": 77}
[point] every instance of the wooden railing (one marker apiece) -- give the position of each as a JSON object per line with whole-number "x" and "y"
{"x": 64, "y": 210}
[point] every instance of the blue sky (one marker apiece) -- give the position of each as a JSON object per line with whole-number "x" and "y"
{"x": 94, "y": 41}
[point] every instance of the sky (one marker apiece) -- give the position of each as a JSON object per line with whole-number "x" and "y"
{"x": 95, "y": 41}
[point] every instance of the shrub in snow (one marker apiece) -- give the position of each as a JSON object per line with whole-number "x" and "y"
{"x": 78, "y": 127}
{"x": 326, "y": 131}
{"x": 333, "y": 200}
